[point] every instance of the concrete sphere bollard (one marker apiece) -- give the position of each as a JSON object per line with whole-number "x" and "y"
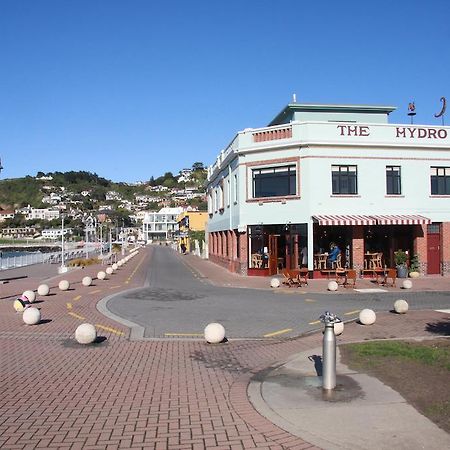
{"x": 85, "y": 333}
{"x": 332, "y": 286}
{"x": 64, "y": 285}
{"x": 31, "y": 316}
{"x": 30, "y": 295}
{"x": 275, "y": 283}
{"x": 101, "y": 275}
{"x": 43, "y": 289}
{"x": 367, "y": 317}
{"x": 214, "y": 333}
{"x": 86, "y": 281}
{"x": 114, "y": 266}
{"x": 414, "y": 274}
{"x": 109, "y": 271}
{"x": 119, "y": 263}
{"x": 401, "y": 306}
{"x": 338, "y": 328}
{"x": 407, "y": 284}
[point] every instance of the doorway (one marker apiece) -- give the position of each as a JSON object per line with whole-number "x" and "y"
{"x": 433, "y": 249}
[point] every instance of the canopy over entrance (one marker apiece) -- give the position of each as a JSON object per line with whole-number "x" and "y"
{"x": 396, "y": 219}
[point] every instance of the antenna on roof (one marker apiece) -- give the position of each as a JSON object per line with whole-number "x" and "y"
{"x": 294, "y": 98}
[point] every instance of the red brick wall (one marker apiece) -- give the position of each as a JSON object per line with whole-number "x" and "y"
{"x": 421, "y": 246}
{"x": 358, "y": 247}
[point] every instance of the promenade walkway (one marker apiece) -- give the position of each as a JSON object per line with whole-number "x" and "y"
{"x": 162, "y": 394}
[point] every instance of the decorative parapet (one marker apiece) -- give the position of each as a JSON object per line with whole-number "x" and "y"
{"x": 272, "y": 135}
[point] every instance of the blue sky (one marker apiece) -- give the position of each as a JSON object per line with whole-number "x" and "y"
{"x": 134, "y": 88}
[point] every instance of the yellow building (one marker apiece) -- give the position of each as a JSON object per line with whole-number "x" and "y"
{"x": 189, "y": 221}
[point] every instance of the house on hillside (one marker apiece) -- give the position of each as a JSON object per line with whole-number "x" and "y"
{"x": 321, "y": 175}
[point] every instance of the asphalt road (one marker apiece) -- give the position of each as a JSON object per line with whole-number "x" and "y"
{"x": 177, "y": 303}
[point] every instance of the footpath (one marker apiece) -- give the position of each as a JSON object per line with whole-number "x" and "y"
{"x": 175, "y": 394}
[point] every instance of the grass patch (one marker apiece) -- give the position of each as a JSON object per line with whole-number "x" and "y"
{"x": 418, "y": 371}
{"x": 433, "y": 355}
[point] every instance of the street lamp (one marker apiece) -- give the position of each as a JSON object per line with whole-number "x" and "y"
{"x": 63, "y": 268}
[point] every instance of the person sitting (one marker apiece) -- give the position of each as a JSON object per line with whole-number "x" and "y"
{"x": 335, "y": 251}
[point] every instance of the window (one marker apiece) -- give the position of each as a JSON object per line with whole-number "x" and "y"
{"x": 235, "y": 189}
{"x": 274, "y": 181}
{"x": 228, "y": 192}
{"x": 221, "y": 197}
{"x": 393, "y": 180}
{"x": 344, "y": 180}
{"x": 440, "y": 180}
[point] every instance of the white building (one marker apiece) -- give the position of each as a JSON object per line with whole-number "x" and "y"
{"x": 322, "y": 174}
{"x": 55, "y": 233}
{"x": 43, "y": 214}
{"x": 160, "y": 225}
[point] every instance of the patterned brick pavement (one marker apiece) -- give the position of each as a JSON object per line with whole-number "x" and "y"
{"x": 169, "y": 394}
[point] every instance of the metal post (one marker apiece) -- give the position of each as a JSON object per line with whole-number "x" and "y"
{"x": 329, "y": 351}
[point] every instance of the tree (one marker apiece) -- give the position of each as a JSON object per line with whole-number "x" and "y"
{"x": 198, "y": 166}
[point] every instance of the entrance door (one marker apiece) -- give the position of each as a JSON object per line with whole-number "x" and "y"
{"x": 273, "y": 253}
{"x": 433, "y": 251}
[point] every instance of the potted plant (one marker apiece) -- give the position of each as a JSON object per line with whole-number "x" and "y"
{"x": 414, "y": 267}
{"x": 400, "y": 258}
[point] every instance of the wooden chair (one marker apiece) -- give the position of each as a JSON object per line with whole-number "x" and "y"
{"x": 351, "y": 276}
{"x": 290, "y": 277}
{"x": 303, "y": 276}
{"x": 337, "y": 264}
{"x": 392, "y": 275}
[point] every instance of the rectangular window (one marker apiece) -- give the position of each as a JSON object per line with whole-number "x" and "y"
{"x": 228, "y": 192}
{"x": 393, "y": 180}
{"x": 440, "y": 180}
{"x": 235, "y": 189}
{"x": 274, "y": 181}
{"x": 344, "y": 180}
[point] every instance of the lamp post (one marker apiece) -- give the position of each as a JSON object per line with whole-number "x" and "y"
{"x": 63, "y": 268}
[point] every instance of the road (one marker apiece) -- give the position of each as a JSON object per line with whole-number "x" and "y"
{"x": 178, "y": 303}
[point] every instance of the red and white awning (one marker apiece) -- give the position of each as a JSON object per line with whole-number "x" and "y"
{"x": 401, "y": 219}
{"x": 345, "y": 220}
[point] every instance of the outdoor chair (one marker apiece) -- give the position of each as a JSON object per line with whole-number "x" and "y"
{"x": 392, "y": 275}
{"x": 351, "y": 278}
{"x": 290, "y": 277}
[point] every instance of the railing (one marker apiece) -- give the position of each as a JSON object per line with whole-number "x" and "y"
{"x": 11, "y": 262}
{"x": 271, "y": 135}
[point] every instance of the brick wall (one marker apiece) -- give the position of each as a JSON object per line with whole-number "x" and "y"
{"x": 445, "y": 246}
{"x": 358, "y": 248}
{"x": 420, "y": 247}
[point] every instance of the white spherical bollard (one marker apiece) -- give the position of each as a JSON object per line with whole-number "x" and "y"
{"x": 109, "y": 271}
{"x": 214, "y": 333}
{"x": 43, "y": 289}
{"x": 114, "y": 266}
{"x": 401, "y": 306}
{"x": 31, "y": 316}
{"x": 338, "y": 328}
{"x": 30, "y": 295}
{"x": 101, "y": 275}
{"x": 332, "y": 286}
{"x": 86, "y": 281}
{"x": 85, "y": 333}
{"x": 367, "y": 317}
{"x": 275, "y": 283}
{"x": 64, "y": 285}
{"x": 407, "y": 284}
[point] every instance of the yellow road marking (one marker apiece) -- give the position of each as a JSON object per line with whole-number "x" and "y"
{"x": 126, "y": 282}
{"x": 315, "y": 322}
{"x": 352, "y": 312}
{"x": 112, "y": 330}
{"x": 115, "y": 287}
{"x": 77, "y": 297}
{"x": 69, "y": 305}
{"x": 77, "y": 316}
{"x": 310, "y": 300}
{"x": 276, "y": 333}
{"x": 96, "y": 291}
{"x": 183, "y": 334}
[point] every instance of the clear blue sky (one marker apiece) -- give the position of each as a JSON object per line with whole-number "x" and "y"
{"x": 134, "y": 88}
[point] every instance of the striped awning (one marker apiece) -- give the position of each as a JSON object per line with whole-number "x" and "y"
{"x": 401, "y": 219}
{"x": 344, "y": 220}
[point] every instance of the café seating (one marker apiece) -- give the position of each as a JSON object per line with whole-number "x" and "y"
{"x": 257, "y": 260}
{"x": 337, "y": 264}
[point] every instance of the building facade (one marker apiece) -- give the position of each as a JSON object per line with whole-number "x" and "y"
{"x": 322, "y": 175}
{"x": 160, "y": 225}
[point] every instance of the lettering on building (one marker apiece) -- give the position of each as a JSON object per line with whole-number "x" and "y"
{"x": 420, "y": 133}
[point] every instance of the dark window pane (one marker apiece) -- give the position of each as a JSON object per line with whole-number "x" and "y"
{"x": 274, "y": 182}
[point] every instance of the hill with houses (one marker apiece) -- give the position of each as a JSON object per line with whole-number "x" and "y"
{"x": 38, "y": 203}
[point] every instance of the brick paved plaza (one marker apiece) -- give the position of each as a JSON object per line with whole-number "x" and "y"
{"x": 118, "y": 393}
